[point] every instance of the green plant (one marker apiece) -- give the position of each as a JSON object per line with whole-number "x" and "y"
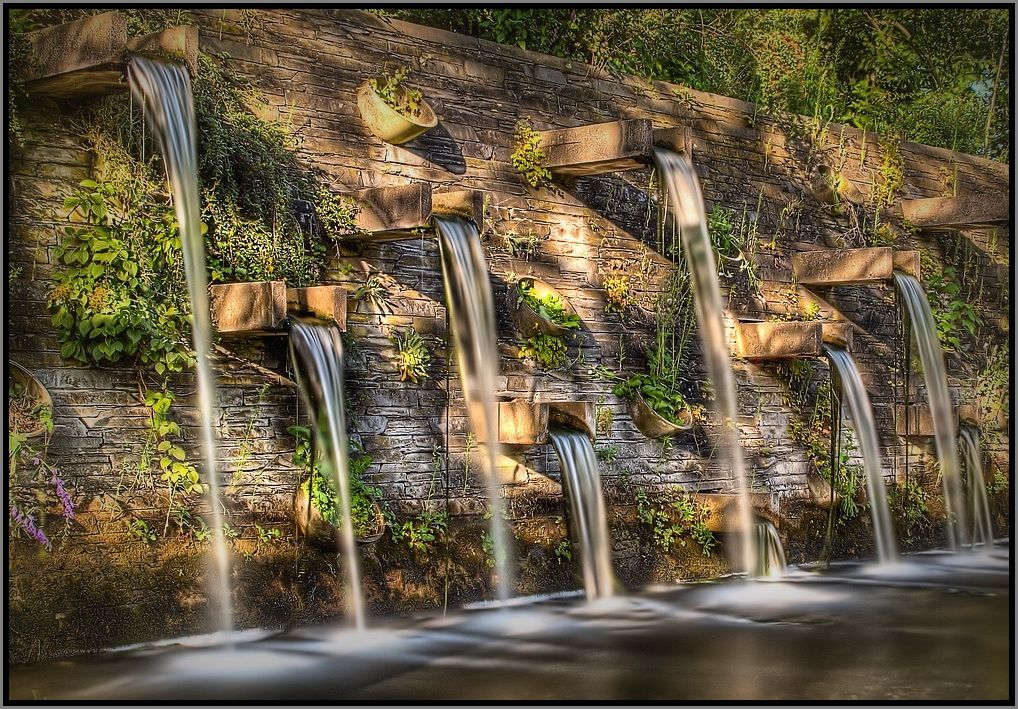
{"x": 412, "y": 356}
{"x": 120, "y": 293}
{"x": 374, "y": 290}
{"x": 521, "y": 243}
{"x": 952, "y": 314}
{"x": 488, "y": 548}
{"x": 665, "y": 401}
{"x": 528, "y": 157}
{"x": 998, "y": 484}
{"x": 397, "y": 95}
{"x": 909, "y": 502}
{"x": 141, "y": 529}
{"x": 617, "y": 293}
{"x": 322, "y": 487}
{"x": 892, "y": 176}
{"x": 672, "y": 519}
{"x": 550, "y": 307}
{"x": 564, "y": 550}
{"x": 734, "y": 243}
{"x": 419, "y": 532}
{"x": 604, "y": 417}
{"x": 547, "y": 351}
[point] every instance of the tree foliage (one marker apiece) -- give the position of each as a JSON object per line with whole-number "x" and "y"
{"x": 930, "y": 75}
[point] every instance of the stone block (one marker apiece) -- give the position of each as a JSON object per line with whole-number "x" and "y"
{"x": 679, "y": 139}
{"x": 837, "y": 333}
{"x": 907, "y": 262}
{"x": 87, "y": 56}
{"x": 598, "y": 148}
{"x": 391, "y": 213}
{"x": 327, "y": 302}
{"x": 246, "y": 309}
{"x": 920, "y": 421}
{"x": 522, "y": 423}
{"x": 468, "y": 204}
{"x": 777, "y": 339}
{"x": 843, "y": 266}
{"x": 959, "y": 212}
{"x": 580, "y": 415}
{"x": 723, "y": 510}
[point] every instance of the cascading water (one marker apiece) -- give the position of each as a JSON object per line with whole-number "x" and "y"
{"x": 770, "y": 555}
{"x": 472, "y": 319}
{"x": 982, "y": 527}
{"x": 862, "y": 417}
{"x": 581, "y": 479}
{"x": 932, "y": 357}
{"x": 164, "y": 89}
{"x": 316, "y": 350}
{"x": 685, "y": 199}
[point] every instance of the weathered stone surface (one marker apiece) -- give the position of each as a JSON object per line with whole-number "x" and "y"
{"x": 328, "y": 302}
{"x": 907, "y": 262}
{"x": 778, "y": 339}
{"x": 837, "y": 333}
{"x": 390, "y": 213}
{"x": 842, "y": 266}
{"x": 598, "y": 148}
{"x": 468, "y": 204}
{"x": 723, "y": 515}
{"x": 920, "y": 421}
{"x": 968, "y": 210}
{"x": 522, "y": 423}
{"x": 679, "y": 139}
{"x": 248, "y": 308}
{"x": 179, "y": 42}
{"x": 581, "y": 415}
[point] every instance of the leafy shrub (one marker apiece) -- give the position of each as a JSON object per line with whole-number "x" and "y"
{"x": 671, "y": 521}
{"x": 550, "y": 307}
{"x": 528, "y": 157}
{"x": 397, "y": 95}
{"x": 412, "y": 356}
{"x": 666, "y": 401}
{"x": 547, "y": 351}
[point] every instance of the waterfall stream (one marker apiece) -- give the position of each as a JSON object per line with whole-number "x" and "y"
{"x": 862, "y": 418}
{"x": 932, "y": 357}
{"x": 164, "y": 89}
{"x": 686, "y": 202}
{"x": 581, "y": 480}
{"x": 472, "y": 320}
{"x": 316, "y": 350}
{"x": 979, "y": 506}
{"x": 770, "y": 554}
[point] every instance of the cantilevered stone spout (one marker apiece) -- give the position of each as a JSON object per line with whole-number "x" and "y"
{"x": 598, "y": 148}
{"x": 87, "y": 57}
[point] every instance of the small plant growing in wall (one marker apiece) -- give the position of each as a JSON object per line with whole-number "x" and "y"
{"x": 546, "y": 351}
{"x": 671, "y": 522}
{"x": 412, "y": 356}
{"x": 550, "y": 306}
{"x": 393, "y": 90}
{"x": 618, "y": 296}
{"x": 528, "y": 157}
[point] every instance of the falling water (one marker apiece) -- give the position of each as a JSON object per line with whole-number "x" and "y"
{"x": 685, "y": 198}
{"x": 932, "y": 357}
{"x": 982, "y": 527}
{"x": 581, "y": 479}
{"x": 865, "y": 429}
{"x": 770, "y": 555}
{"x": 316, "y": 350}
{"x": 165, "y": 91}
{"x": 472, "y": 318}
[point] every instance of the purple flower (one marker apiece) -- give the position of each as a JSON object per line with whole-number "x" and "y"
{"x": 65, "y": 497}
{"x": 27, "y": 522}
{"x": 37, "y": 461}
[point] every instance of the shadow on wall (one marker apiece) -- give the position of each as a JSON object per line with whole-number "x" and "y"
{"x": 438, "y": 147}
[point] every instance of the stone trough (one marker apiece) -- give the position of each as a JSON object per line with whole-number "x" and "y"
{"x": 835, "y": 267}
{"x": 401, "y": 212}
{"x": 262, "y": 307}
{"x": 525, "y": 423}
{"x": 777, "y": 339}
{"x": 88, "y": 57}
{"x": 920, "y": 421}
{"x": 598, "y": 148}
{"x": 963, "y": 211}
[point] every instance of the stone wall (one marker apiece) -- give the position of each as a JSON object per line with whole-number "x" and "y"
{"x": 308, "y": 65}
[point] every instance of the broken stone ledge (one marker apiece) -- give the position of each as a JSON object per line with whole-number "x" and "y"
{"x": 777, "y": 339}
{"x": 88, "y": 56}
{"x": 261, "y": 308}
{"x": 401, "y": 212}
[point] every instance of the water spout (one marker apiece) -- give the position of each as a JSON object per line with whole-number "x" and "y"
{"x": 932, "y": 357}
{"x": 472, "y": 319}
{"x": 862, "y": 417}
{"x": 770, "y": 554}
{"x": 979, "y": 506}
{"x": 685, "y": 199}
{"x": 316, "y": 350}
{"x": 164, "y": 89}
{"x": 581, "y": 480}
